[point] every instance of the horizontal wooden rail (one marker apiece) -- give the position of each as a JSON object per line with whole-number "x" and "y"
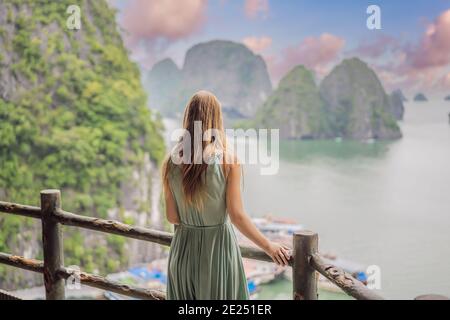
{"x": 19, "y": 209}
{"x": 21, "y": 262}
{"x": 114, "y": 286}
{"x": 115, "y": 227}
{"x": 5, "y": 295}
{"x": 87, "y": 279}
{"x": 343, "y": 280}
{"x": 140, "y": 233}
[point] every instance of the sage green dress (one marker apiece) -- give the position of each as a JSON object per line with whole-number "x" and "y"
{"x": 205, "y": 261}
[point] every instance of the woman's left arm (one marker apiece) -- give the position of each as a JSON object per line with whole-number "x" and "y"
{"x": 171, "y": 208}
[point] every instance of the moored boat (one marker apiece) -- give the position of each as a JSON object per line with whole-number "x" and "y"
{"x": 281, "y": 230}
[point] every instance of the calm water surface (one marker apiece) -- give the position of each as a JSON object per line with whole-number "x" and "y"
{"x": 386, "y": 204}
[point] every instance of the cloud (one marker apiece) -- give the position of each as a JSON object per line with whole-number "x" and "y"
{"x": 315, "y": 53}
{"x": 256, "y": 8}
{"x": 377, "y": 47}
{"x": 145, "y": 20}
{"x": 403, "y": 76}
{"x": 257, "y": 44}
{"x": 412, "y": 66}
{"x": 434, "y": 48}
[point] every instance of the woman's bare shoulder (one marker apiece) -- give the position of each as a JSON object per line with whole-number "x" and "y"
{"x": 230, "y": 163}
{"x": 231, "y": 159}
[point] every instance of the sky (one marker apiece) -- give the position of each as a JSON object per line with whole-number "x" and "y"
{"x": 410, "y": 51}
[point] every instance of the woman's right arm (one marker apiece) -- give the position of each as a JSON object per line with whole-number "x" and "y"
{"x": 279, "y": 253}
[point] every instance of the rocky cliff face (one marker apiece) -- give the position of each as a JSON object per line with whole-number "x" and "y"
{"x": 397, "y": 109}
{"x": 73, "y": 116}
{"x": 163, "y": 85}
{"x": 401, "y": 94}
{"x": 295, "y": 107}
{"x": 140, "y": 205}
{"x": 356, "y": 103}
{"x": 230, "y": 70}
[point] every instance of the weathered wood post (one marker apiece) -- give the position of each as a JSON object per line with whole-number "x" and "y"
{"x": 52, "y": 243}
{"x": 303, "y": 275}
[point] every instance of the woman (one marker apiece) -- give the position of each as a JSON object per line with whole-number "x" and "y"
{"x": 201, "y": 200}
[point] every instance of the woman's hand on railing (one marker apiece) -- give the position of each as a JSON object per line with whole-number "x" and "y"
{"x": 279, "y": 253}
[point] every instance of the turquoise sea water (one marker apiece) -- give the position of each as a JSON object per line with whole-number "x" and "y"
{"x": 385, "y": 204}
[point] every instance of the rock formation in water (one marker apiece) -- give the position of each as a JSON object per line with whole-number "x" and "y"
{"x": 350, "y": 103}
{"x": 397, "y": 108}
{"x": 420, "y": 97}
{"x": 163, "y": 83}
{"x": 401, "y": 95}
{"x": 73, "y": 116}
{"x": 447, "y": 98}
{"x": 356, "y": 103}
{"x": 295, "y": 107}
{"x": 230, "y": 70}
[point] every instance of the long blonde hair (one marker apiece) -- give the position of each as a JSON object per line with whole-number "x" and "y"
{"x": 205, "y": 107}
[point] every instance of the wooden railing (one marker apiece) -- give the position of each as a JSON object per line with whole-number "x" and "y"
{"x": 305, "y": 259}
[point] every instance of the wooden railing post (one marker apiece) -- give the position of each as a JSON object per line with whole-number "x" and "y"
{"x": 303, "y": 275}
{"x": 52, "y": 243}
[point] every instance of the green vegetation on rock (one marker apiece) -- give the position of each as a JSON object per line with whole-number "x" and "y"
{"x": 357, "y": 105}
{"x": 295, "y": 107}
{"x": 73, "y": 116}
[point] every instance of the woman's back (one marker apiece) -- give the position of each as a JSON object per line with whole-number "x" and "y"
{"x": 205, "y": 261}
{"x": 213, "y": 210}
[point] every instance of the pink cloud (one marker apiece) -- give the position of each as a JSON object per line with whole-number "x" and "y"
{"x": 403, "y": 76}
{"x": 377, "y": 47}
{"x": 255, "y": 8}
{"x": 414, "y": 67}
{"x": 257, "y": 44}
{"x": 146, "y": 20}
{"x": 315, "y": 53}
{"x": 434, "y": 48}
